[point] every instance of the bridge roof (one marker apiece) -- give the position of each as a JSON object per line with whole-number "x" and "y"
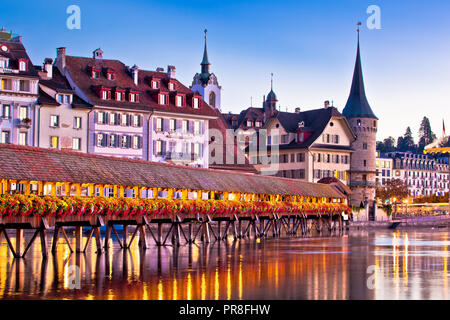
{"x": 37, "y": 164}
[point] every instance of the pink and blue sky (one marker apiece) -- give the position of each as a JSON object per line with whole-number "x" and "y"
{"x": 310, "y": 47}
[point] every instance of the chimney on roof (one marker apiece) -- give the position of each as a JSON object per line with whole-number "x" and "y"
{"x": 171, "y": 72}
{"x": 326, "y": 104}
{"x": 159, "y": 69}
{"x": 48, "y": 67}
{"x": 297, "y": 110}
{"x": 98, "y": 54}
{"x": 134, "y": 73}
{"x": 61, "y": 58}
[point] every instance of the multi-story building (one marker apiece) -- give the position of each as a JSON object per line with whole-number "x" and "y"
{"x": 423, "y": 175}
{"x": 18, "y": 91}
{"x": 138, "y": 113}
{"x": 62, "y": 116}
{"x": 311, "y": 145}
{"x": 364, "y": 124}
{"x": 385, "y": 167}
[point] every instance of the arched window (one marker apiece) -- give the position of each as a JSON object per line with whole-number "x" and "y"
{"x": 212, "y": 99}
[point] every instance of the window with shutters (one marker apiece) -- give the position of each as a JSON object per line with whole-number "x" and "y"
{"x": 195, "y": 103}
{"x": 179, "y": 101}
{"x": 105, "y": 95}
{"x": 185, "y": 126}
{"x": 197, "y": 147}
{"x": 112, "y": 118}
{"x": 162, "y": 99}
{"x": 124, "y": 119}
{"x": 101, "y": 118}
{"x": 6, "y": 111}
{"x": 112, "y": 141}
{"x": 292, "y": 157}
{"x": 100, "y": 137}
{"x": 171, "y": 86}
{"x": 23, "y": 138}
{"x": 135, "y": 142}
{"x": 5, "y": 137}
{"x": 197, "y": 127}
{"x": 23, "y": 112}
{"x": 159, "y": 124}
{"x": 172, "y": 125}
{"x": 158, "y": 147}
{"x": 154, "y": 84}
{"x": 124, "y": 143}
{"x": 136, "y": 122}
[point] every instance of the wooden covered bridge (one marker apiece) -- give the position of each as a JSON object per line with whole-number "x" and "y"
{"x": 42, "y": 189}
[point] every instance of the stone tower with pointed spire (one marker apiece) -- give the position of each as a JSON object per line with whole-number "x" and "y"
{"x": 364, "y": 124}
{"x": 206, "y": 82}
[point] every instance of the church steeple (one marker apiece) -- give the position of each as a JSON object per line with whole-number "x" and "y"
{"x": 205, "y": 62}
{"x": 357, "y": 105}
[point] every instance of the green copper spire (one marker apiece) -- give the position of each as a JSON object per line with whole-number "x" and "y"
{"x": 357, "y": 105}
{"x": 205, "y": 62}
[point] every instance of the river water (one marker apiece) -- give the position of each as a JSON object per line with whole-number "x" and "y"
{"x": 383, "y": 264}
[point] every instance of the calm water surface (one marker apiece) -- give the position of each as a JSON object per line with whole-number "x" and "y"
{"x": 360, "y": 265}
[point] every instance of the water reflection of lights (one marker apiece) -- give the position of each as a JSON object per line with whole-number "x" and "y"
{"x": 236, "y": 270}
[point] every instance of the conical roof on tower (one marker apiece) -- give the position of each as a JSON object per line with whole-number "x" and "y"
{"x": 271, "y": 97}
{"x": 357, "y": 105}
{"x": 205, "y": 60}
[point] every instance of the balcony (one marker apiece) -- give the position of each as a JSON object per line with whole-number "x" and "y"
{"x": 369, "y": 184}
{"x": 24, "y": 123}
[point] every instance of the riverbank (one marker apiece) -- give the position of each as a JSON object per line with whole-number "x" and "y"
{"x": 442, "y": 221}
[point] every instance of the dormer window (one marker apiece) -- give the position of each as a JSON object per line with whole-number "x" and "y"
{"x": 171, "y": 86}
{"x": 179, "y": 101}
{"x": 195, "y": 103}
{"x": 23, "y": 65}
{"x": 119, "y": 96}
{"x": 110, "y": 75}
{"x": 64, "y": 98}
{"x": 105, "y": 93}
{"x": 154, "y": 84}
{"x": 133, "y": 97}
{"x": 162, "y": 99}
{"x": 258, "y": 124}
{"x": 95, "y": 73}
{"x": 249, "y": 123}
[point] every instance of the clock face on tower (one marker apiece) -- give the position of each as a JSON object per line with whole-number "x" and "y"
{"x": 4, "y": 48}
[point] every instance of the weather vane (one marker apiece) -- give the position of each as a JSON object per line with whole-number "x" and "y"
{"x": 359, "y": 26}
{"x": 206, "y": 31}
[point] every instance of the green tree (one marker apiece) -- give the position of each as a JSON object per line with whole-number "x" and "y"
{"x": 388, "y": 145}
{"x": 406, "y": 142}
{"x": 395, "y": 191}
{"x": 426, "y": 135}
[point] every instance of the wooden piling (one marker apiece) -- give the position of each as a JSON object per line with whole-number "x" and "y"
{"x": 78, "y": 239}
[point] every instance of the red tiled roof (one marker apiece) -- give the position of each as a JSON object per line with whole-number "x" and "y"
{"x": 79, "y": 70}
{"x": 37, "y": 164}
{"x": 16, "y": 51}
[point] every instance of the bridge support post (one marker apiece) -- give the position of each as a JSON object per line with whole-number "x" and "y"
{"x": 19, "y": 239}
{"x": 78, "y": 239}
